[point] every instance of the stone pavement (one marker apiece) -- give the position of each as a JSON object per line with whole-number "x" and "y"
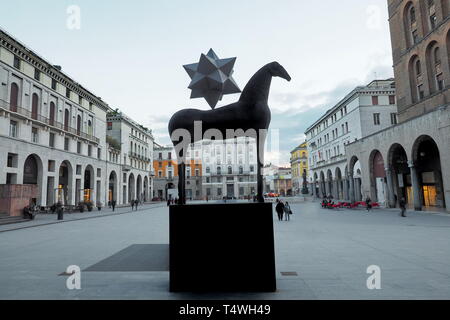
{"x": 329, "y": 251}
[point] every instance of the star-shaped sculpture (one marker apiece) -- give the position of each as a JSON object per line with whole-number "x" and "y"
{"x": 212, "y": 78}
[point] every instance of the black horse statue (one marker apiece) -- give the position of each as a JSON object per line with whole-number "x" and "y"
{"x": 251, "y": 112}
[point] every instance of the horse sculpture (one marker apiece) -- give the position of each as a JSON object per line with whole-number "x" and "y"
{"x": 251, "y": 112}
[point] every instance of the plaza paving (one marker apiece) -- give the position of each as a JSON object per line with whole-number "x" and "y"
{"x": 329, "y": 250}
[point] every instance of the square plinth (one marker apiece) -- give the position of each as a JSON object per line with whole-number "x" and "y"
{"x": 222, "y": 248}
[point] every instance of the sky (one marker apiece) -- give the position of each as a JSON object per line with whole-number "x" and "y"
{"x": 130, "y": 53}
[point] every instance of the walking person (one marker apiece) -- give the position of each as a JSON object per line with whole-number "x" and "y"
{"x": 136, "y": 204}
{"x": 287, "y": 211}
{"x": 402, "y": 204}
{"x": 132, "y": 205}
{"x": 368, "y": 204}
{"x": 113, "y": 204}
{"x": 280, "y": 209}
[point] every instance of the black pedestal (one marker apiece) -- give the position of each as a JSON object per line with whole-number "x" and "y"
{"x": 222, "y": 248}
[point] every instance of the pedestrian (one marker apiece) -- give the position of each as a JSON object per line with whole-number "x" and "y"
{"x": 403, "y": 207}
{"x": 136, "y": 204}
{"x": 280, "y": 209}
{"x": 132, "y": 205}
{"x": 113, "y": 204}
{"x": 368, "y": 204}
{"x": 287, "y": 211}
{"x": 169, "y": 202}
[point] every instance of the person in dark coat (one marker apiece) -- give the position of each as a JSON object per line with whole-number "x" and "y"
{"x": 368, "y": 204}
{"x": 280, "y": 210}
{"x": 136, "y": 202}
{"x": 287, "y": 211}
{"x": 132, "y": 205}
{"x": 113, "y": 204}
{"x": 403, "y": 207}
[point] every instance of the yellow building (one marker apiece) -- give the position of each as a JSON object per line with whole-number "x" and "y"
{"x": 299, "y": 166}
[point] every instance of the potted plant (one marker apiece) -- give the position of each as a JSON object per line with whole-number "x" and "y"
{"x": 99, "y": 206}
{"x": 89, "y": 205}
{"x": 81, "y": 206}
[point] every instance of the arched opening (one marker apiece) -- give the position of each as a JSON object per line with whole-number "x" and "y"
{"x": 139, "y": 194}
{"x": 112, "y": 189}
{"x": 89, "y": 183}
{"x": 410, "y": 24}
{"x": 339, "y": 184}
{"x": 66, "y": 119}
{"x": 427, "y": 161}
{"x": 416, "y": 79}
{"x": 330, "y": 189}
{"x": 433, "y": 60}
{"x": 34, "y": 106}
{"x": 14, "y": 97}
{"x": 64, "y": 191}
{"x": 146, "y": 194}
{"x": 32, "y": 174}
{"x": 378, "y": 185}
{"x": 52, "y": 114}
{"x": 322, "y": 188}
{"x": 401, "y": 174}
{"x": 316, "y": 185}
{"x": 131, "y": 188}
{"x": 356, "y": 179}
{"x": 78, "y": 125}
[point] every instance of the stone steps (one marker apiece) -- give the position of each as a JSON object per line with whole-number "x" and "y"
{"x": 6, "y": 219}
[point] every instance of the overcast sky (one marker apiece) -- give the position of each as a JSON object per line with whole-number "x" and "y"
{"x": 131, "y": 52}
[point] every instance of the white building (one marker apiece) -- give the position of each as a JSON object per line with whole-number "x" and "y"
{"x": 53, "y": 131}
{"x": 363, "y": 112}
{"x": 229, "y": 168}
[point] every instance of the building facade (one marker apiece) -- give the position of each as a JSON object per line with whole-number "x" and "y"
{"x": 52, "y": 130}
{"x": 130, "y": 171}
{"x": 412, "y": 158}
{"x": 362, "y": 112}
{"x": 229, "y": 169}
{"x": 299, "y": 167}
{"x": 166, "y": 174}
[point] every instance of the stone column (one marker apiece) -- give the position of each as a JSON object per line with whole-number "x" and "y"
{"x": 327, "y": 188}
{"x": 352, "y": 187}
{"x": 345, "y": 189}
{"x": 390, "y": 188}
{"x": 336, "y": 189}
{"x": 358, "y": 195}
{"x": 415, "y": 187}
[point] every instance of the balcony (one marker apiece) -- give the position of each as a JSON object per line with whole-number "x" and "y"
{"x": 50, "y": 122}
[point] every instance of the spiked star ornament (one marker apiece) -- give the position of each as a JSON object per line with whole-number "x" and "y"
{"x": 212, "y": 78}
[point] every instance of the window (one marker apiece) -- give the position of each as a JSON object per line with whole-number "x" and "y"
{"x": 241, "y": 170}
{"x": 170, "y": 156}
{"x": 51, "y": 141}
{"x": 374, "y": 100}
{"x": 219, "y": 192}
{"x": 418, "y": 68}
{"x": 54, "y": 83}
{"x": 415, "y": 37}
{"x": 68, "y": 93}
{"x": 412, "y": 15}
{"x": 230, "y": 170}
{"x": 421, "y": 92}
{"x": 37, "y": 75}
{"x": 197, "y": 172}
{"x": 99, "y": 173}
{"x": 99, "y": 155}
{"x": 376, "y": 119}
{"x": 433, "y": 21}
{"x": 13, "y": 129}
{"x": 34, "y": 135}
{"x": 208, "y": 170}
{"x": 78, "y": 169}
{"x": 12, "y": 160}
{"x": 90, "y": 151}
{"x": 394, "y": 118}
{"x": 80, "y": 100}
{"x": 391, "y": 100}
{"x": 440, "y": 82}
{"x": 51, "y": 165}
{"x": 219, "y": 171}
{"x": 208, "y": 192}
{"x": 17, "y": 62}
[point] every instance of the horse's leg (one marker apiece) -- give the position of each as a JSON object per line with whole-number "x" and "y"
{"x": 182, "y": 183}
{"x": 260, "y": 141}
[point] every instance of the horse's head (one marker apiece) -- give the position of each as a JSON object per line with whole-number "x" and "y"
{"x": 277, "y": 70}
